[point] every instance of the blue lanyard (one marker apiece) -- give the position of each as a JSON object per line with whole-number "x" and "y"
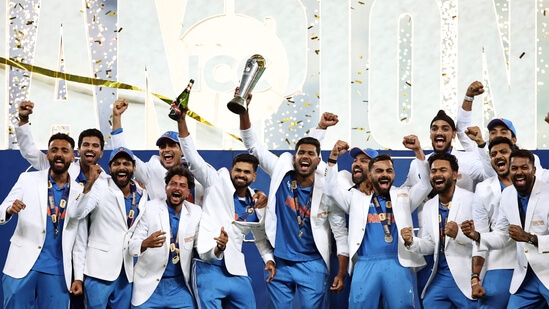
{"x": 385, "y": 218}
{"x": 442, "y": 224}
{"x": 302, "y": 211}
{"x": 132, "y": 212}
{"x": 53, "y": 210}
{"x": 249, "y": 208}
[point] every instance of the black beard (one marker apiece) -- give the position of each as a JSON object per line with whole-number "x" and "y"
{"x": 382, "y": 192}
{"x": 59, "y": 171}
{"x": 121, "y": 184}
{"x": 447, "y": 186}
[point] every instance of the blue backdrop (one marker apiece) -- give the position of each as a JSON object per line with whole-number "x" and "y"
{"x": 12, "y": 162}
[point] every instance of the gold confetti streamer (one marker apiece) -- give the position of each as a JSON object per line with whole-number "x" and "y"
{"x": 98, "y": 82}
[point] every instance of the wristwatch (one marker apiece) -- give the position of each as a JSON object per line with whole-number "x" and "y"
{"x": 531, "y": 239}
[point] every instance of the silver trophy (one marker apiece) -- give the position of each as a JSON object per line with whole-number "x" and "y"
{"x": 252, "y": 72}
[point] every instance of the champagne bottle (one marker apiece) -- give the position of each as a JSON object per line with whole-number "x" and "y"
{"x": 180, "y": 103}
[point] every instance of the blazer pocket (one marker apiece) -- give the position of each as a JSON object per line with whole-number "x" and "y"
{"x": 98, "y": 245}
{"x": 188, "y": 242}
{"x": 539, "y": 225}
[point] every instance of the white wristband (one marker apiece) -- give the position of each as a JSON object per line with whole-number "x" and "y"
{"x": 468, "y": 98}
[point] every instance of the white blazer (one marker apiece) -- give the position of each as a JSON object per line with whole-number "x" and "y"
{"x": 458, "y": 251}
{"x": 152, "y": 263}
{"x": 107, "y": 244}
{"x": 152, "y": 173}
{"x": 486, "y": 208}
{"x": 357, "y": 204}
{"x": 218, "y": 211}
{"x": 30, "y": 233}
{"x": 324, "y": 213}
{"x": 537, "y": 215}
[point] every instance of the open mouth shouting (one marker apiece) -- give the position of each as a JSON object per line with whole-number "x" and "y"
{"x": 176, "y": 197}
{"x": 519, "y": 180}
{"x": 89, "y": 157}
{"x": 438, "y": 183}
{"x": 501, "y": 165}
{"x": 440, "y": 141}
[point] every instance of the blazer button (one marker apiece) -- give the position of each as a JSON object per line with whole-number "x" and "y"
{"x": 43, "y": 231}
{"x": 358, "y": 244}
{"x": 39, "y": 247}
{"x": 525, "y": 251}
{"x": 157, "y": 279}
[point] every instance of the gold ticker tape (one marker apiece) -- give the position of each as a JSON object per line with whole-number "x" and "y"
{"x": 98, "y": 82}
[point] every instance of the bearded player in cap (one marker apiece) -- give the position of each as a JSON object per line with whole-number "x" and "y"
{"x": 379, "y": 262}
{"x": 113, "y": 205}
{"x": 152, "y": 173}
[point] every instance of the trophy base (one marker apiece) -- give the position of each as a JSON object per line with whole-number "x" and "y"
{"x": 237, "y": 105}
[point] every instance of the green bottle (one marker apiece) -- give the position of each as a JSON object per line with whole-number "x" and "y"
{"x": 181, "y": 102}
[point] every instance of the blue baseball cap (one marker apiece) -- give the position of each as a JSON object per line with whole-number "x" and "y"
{"x": 504, "y": 122}
{"x": 369, "y": 152}
{"x": 121, "y": 150}
{"x": 171, "y": 135}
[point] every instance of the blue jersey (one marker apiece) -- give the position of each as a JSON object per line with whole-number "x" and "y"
{"x": 373, "y": 242}
{"x": 50, "y": 260}
{"x": 173, "y": 269}
{"x": 294, "y": 237}
{"x": 443, "y": 276}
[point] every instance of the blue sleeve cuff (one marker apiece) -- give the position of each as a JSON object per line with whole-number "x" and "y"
{"x": 117, "y": 131}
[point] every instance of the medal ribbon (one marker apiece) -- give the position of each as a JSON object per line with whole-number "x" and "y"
{"x": 385, "y": 218}
{"x": 133, "y": 211}
{"x": 174, "y": 242}
{"x": 53, "y": 210}
{"x": 442, "y": 224}
{"x": 301, "y": 210}
{"x": 249, "y": 208}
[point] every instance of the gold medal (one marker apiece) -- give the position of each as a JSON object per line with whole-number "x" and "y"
{"x": 172, "y": 247}
{"x": 294, "y": 184}
{"x": 388, "y": 204}
{"x": 299, "y": 220}
{"x": 131, "y": 214}
{"x": 54, "y": 218}
{"x": 250, "y": 210}
{"x": 62, "y": 203}
{"x": 388, "y": 238}
{"x": 381, "y": 217}
{"x": 175, "y": 259}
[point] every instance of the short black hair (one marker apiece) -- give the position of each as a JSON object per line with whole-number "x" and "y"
{"x": 502, "y": 140}
{"x": 248, "y": 158}
{"x": 381, "y": 157}
{"x": 62, "y": 136}
{"x": 180, "y": 171}
{"x": 92, "y": 133}
{"x": 308, "y": 141}
{"x": 446, "y": 157}
{"x": 523, "y": 153}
